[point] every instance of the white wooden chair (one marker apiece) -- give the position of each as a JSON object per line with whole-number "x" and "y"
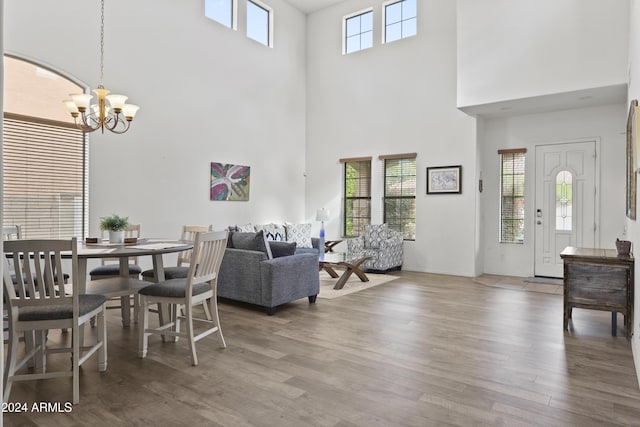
{"x": 199, "y": 286}
{"x": 12, "y": 232}
{"x": 181, "y": 269}
{"x": 37, "y": 309}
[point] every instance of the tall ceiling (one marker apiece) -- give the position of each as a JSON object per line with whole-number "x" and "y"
{"x": 309, "y": 6}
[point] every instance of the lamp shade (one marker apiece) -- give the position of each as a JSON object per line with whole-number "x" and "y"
{"x": 322, "y": 214}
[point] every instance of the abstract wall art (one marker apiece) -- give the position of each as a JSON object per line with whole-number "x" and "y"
{"x": 229, "y": 182}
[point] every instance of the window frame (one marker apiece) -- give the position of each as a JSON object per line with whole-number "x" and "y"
{"x": 385, "y": 197}
{"x": 234, "y": 15}
{"x": 270, "y": 19}
{"x": 514, "y": 216}
{"x": 345, "y": 18}
{"x": 384, "y": 21}
{"x": 346, "y": 199}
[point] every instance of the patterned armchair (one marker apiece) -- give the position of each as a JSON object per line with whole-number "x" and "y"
{"x": 381, "y": 244}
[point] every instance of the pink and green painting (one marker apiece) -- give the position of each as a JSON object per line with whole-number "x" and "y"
{"x": 229, "y": 182}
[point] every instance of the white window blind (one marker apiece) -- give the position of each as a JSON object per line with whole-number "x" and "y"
{"x": 45, "y": 178}
{"x": 357, "y": 195}
{"x": 512, "y": 195}
{"x": 400, "y": 193}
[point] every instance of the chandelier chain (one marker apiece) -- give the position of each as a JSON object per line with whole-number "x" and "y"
{"x": 102, "y": 43}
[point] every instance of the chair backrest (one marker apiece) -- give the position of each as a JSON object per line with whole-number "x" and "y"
{"x": 189, "y": 235}
{"x": 11, "y": 232}
{"x": 208, "y": 250}
{"x": 132, "y": 231}
{"x": 36, "y": 279}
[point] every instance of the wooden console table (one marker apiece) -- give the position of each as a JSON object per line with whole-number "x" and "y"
{"x": 598, "y": 279}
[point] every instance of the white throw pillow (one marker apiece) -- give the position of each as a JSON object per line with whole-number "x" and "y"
{"x": 299, "y": 233}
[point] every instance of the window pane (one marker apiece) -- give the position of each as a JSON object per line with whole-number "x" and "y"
{"x": 366, "y": 22}
{"x": 393, "y": 13}
{"x": 564, "y": 201}
{"x": 409, "y": 28}
{"x": 353, "y": 44}
{"x": 219, "y": 10}
{"x": 353, "y": 26}
{"x": 367, "y": 40}
{"x": 394, "y": 32}
{"x": 409, "y": 9}
{"x": 257, "y": 23}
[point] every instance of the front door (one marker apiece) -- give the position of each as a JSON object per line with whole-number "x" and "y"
{"x": 565, "y": 202}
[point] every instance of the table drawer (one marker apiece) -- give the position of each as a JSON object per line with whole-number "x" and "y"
{"x": 587, "y": 277}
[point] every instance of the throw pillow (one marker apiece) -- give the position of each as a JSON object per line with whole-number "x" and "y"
{"x": 299, "y": 233}
{"x": 279, "y": 249}
{"x": 274, "y": 232}
{"x": 251, "y": 242}
{"x": 246, "y": 228}
{"x": 374, "y": 234}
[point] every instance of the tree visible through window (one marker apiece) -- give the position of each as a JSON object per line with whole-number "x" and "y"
{"x": 512, "y": 196}
{"x": 400, "y": 194}
{"x": 45, "y": 163}
{"x": 357, "y": 195}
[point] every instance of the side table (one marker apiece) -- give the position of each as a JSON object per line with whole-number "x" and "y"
{"x": 598, "y": 279}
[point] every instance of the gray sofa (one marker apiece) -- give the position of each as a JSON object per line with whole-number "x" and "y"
{"x": 251, "y": 276}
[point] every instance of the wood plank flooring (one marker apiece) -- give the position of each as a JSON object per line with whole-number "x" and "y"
{"x": 422, "y": 350}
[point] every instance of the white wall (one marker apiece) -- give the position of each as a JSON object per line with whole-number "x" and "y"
{"x": 207, "y": 93}
{"x": 605, "y": 124}
{"x": 511, "y": 49}
{"x": 633, "y": 226}
{"x": 393, "y": 98}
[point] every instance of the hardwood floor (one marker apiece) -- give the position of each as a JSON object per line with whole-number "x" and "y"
{"x": 422, "y": 350}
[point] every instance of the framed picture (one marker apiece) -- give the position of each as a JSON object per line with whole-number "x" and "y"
{"x": 631, "y": 167}
{"x": 444, "y": 180}
{"x": 229, "y": 182}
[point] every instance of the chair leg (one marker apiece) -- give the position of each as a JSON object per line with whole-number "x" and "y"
{"x": 10, "y": 369}
{"x": 192, "y": 343}
{"x": 102, "y": 336}
{"x": 143, "y": 337}
{"x": 75, "y": 339}
{"x": 40, "y": 358}
{"x": 214, "y": 311}
{"x": 207, "y": 312}
{"x": 176, "y": 312}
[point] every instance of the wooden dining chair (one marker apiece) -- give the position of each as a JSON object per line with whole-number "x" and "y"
{"x": 184, "y": 258}
{"x": 200, "y": 285}
{"x": 38, "y": 308}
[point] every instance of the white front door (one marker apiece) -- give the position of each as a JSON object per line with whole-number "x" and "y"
{"x": 565, "y": 202}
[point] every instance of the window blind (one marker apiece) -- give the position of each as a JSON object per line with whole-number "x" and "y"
{"x": 45, "y": 178}
{"x": 400, "y": 195}
{"x": 512, "y": 196}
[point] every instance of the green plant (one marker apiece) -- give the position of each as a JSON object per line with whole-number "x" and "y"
{"x": 114, "y": 223}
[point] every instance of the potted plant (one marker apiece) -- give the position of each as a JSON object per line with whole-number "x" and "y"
{"x": 116, "y": 226}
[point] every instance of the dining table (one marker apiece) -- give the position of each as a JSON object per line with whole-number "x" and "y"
{"x": 155, "y": 248}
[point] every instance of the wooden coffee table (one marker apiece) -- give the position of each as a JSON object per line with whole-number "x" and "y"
{"x": 332, "y": 260}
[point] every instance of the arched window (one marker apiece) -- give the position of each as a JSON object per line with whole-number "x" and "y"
{"x": 564, "y": 201}
{"x": 45, "y": 162}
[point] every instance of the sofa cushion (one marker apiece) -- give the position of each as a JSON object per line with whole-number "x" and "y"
{"x": 279, "y": 249}
{"x": 299, "y": 233}
{"x": 246, "y": 228}
{"x": 374, "y": 234}
{"x": 251, "y": 242}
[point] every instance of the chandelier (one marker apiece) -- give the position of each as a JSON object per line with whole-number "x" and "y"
{"x": 115, "y": 116}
